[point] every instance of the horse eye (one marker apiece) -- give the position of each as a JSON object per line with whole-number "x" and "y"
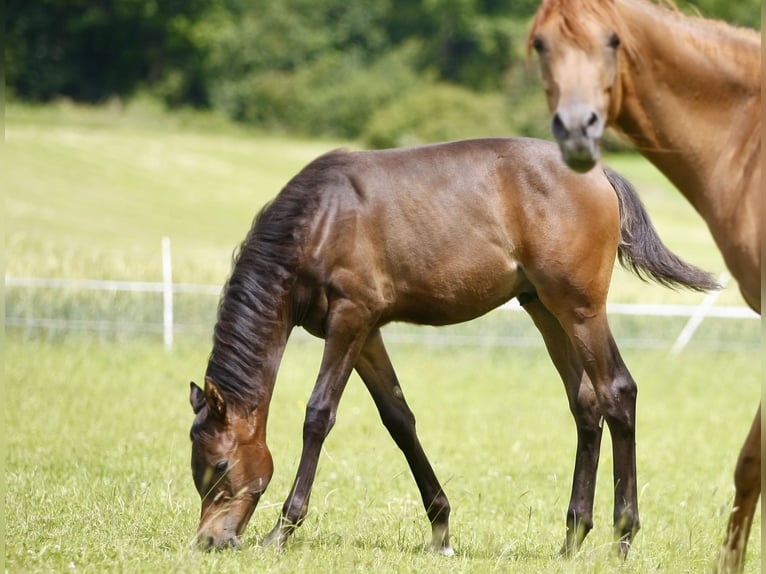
{"x": 614, "y": 41}
{"x": 221, "y": 466}
{"x": 538, "y": 44}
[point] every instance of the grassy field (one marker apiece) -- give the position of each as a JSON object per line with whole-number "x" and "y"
{"x": 97, "y": 474}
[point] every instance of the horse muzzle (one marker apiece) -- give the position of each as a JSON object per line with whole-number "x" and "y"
{"x": 578, "y": 131}
{"x": 208, "y": 541}
{"x": 221, "y": 527}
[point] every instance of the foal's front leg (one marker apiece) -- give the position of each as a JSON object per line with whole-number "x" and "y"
{"x": 584, "y": 407}
{"x": 378, "y": 375}
{"x": 341, "y": 351}
{"x": 616, "y": 391}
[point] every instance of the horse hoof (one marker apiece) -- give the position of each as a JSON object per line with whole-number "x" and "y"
{"x": 275, "y": 540}
{"x": 623, "y": 547}
{"x": 566, "y": 551}
{"x": 443, "y": 550}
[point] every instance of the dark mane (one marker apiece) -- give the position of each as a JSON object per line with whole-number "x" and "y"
{"x": 263, "y": 273}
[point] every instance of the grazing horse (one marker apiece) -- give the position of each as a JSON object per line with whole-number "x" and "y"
{"x": 435, "y": 235}
{"x": 687, "y": 92}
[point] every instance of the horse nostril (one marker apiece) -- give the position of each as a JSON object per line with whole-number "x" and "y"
{"x": 592, "y": 120}
{"x": 205, "y": 542}
{"x": 558, "y": 128}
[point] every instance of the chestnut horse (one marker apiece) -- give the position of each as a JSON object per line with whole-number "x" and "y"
{"x": 434, "y": 235}
{"x": 687, "y": 92}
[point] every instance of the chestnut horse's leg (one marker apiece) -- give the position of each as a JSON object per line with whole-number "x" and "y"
{"x": 378, "y": 375}
{"x": 584, "y": 407}
{"x": 747, "y": 481}
{"x": 347, "y": 332}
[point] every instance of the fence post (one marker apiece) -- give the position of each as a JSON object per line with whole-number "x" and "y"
{"x": 699, "y": 314}
{"x": 167, "y": 294}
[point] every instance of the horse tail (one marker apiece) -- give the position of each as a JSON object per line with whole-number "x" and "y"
{"x": 642, "y": 252}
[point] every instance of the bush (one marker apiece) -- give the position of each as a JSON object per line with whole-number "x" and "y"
{"x": 438, "y": 112}
{"x": 334, "y": 96}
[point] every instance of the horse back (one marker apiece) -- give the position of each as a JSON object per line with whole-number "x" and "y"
{"x": 444, "y": 233}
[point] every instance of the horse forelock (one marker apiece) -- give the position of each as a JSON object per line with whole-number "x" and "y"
{"x": 570, "y": 17}
{"x": 251, "y": 309}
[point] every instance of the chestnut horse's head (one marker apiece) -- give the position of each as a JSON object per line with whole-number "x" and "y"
{"x": 231, "y": 465}
{"x": 578, "y": 43}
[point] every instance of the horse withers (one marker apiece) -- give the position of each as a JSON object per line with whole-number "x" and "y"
{"x": 434, "y": 235}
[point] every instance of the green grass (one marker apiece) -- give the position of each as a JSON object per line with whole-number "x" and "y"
{"x": 97, "y": 475}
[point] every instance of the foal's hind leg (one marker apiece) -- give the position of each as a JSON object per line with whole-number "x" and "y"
{"x": 584, "y": 407}
{"x": 376, "y": 371}
{"x": 747, "y": 481}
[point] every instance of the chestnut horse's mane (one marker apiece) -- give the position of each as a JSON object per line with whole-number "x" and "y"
{"x": 572, "y": 13}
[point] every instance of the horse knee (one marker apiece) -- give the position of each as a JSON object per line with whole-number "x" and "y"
{"x": 625, "y": 389}
{"x": 318, "y": 423}
{"x": 620, "y": 402}
{"x": 586, "y": 411}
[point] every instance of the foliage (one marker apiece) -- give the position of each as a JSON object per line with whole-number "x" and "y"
{"x": 437, "y": 112}
{"x": 742, "y": 12}
{"x": 319, "y": 67}
{"x": 90, "y": 51}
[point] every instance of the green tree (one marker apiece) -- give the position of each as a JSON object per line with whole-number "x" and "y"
{"x": 90, "y": 50}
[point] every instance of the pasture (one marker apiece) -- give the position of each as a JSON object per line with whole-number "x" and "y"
{"x": 97, "y": 469}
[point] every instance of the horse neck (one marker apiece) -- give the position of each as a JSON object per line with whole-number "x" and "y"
{"x": 693, "y": 85}
{"x": 272, "y": 351}
{"x": 251, "y": 383}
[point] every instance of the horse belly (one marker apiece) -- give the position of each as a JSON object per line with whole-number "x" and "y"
{"x": 458, "y": 288}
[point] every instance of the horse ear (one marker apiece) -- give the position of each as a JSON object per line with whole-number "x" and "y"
{"x": 196, "y": 397}
{"x": 214, "y": 398}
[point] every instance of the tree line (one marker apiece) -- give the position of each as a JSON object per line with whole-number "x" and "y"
{"x": 388, "y": 71}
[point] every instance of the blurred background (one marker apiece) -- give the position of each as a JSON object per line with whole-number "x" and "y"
{"x": 132, "y": 120}
{"x": 382, "y": 72}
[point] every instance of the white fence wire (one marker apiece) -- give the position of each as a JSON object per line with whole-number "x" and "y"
{"x": 169, "y": 326}
{"x": 694, "y": 313}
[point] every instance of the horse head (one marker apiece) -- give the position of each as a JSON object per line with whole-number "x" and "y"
{"x": 231, "y": 465}
{"x": 578, "y": 46}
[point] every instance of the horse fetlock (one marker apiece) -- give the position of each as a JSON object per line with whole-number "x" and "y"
{"x": 579, "y": 522}
{"x": 578, "y": 527}
{"x": 439, "y": 510}
{"x": 440, "y": 540}
{"x": 277, "y": 538}
{"x": 625, "y": 530}
{"x": 731, "y": 560}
